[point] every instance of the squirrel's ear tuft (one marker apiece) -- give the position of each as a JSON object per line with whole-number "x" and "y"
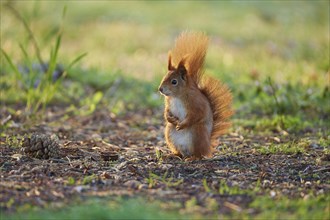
{"x": 170, "y": 67}
{"x": 182, "y": 69}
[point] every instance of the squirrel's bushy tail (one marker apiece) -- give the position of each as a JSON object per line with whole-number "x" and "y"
{"x": 220, "y": 99}
{"x": 192, "y": 46}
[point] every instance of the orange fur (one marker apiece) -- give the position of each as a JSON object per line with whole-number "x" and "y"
{"x": 193, "y": 47}
{"x": 197, "y": 108}
{"x": 220, "y": 99}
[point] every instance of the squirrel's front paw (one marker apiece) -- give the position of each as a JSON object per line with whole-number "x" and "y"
{"x": 172, "y": 119}
{"x": 182, "y": 125}
{"x": 178, "y": 127}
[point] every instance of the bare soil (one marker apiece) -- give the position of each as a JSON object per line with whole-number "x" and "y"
{"x": 107, "y": 155}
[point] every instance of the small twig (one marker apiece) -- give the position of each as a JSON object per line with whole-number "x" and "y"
{"x": 114, "y": 87}
{"x": 110, "y": 145}
{"x": 16, "y": 176}
{"x": 58, "y": 160}
{"x": 306, "y": 169}
{"x": 89, "y": 153}
{"x": 273, "y": 90}
{"x": 233, "y": 206}
{"x": 69, "y": 161}
{"x": 321, "y": 169}
{"x": 5, "y": 120}
{"x": 193, "y": 174}
{"x": 112, "y": 91}
{"x": 37, "y": 168}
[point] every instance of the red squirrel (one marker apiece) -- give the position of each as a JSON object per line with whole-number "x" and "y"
{"x": 197, "y": 107}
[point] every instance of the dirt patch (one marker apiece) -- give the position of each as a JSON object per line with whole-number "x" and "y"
{"x": 106, "y": 155}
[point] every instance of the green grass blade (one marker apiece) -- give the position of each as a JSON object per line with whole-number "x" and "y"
{"x": 31, "y": 76}
{"x": 26, "y": 56}
{"x": 206, "y": 187}
{"x": 77, "y": 59}
{"x": 57, "y": 45}
{"x": 64, "y": 12}
{"x": 16, "y": 71}
{"x": 53, "y": 57}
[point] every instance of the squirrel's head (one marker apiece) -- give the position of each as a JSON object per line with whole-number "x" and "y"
{"x": 175, "y": 80}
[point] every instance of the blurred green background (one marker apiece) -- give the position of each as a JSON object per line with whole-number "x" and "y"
{"x": 274, "y": 55}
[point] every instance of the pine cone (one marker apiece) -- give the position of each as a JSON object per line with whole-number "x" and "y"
{"x": 41, "y": 146}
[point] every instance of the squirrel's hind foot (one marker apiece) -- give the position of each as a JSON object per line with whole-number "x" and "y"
{"x": 173, "y": 156}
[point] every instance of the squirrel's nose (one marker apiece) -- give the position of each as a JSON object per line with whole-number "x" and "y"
{"x": 161, "y": 89}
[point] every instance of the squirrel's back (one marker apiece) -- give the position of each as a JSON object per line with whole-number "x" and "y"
{"x": 220, "y": 99}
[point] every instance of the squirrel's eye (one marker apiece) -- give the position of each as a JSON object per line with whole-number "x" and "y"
{"x": 174, "y": 82}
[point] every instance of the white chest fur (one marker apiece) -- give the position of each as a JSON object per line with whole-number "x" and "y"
{"x": 177, "y": 108}
{"x": 182, "y": 140}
